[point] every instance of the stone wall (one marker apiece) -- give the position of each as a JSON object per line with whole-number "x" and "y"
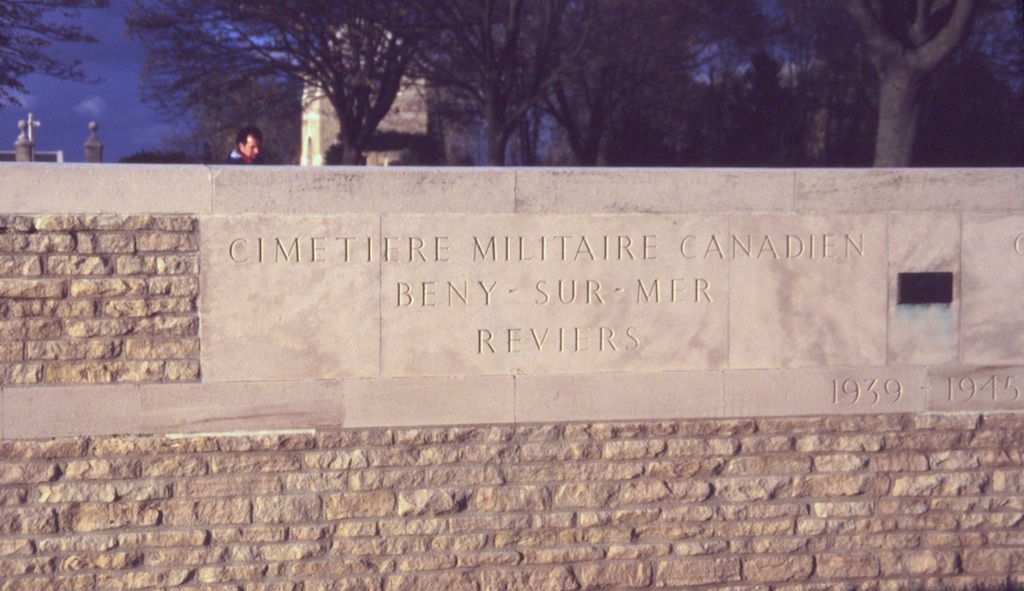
{"x": 98, "y": 299}
{"x": 205, "y": 382}
{"x": 886, "y": 502}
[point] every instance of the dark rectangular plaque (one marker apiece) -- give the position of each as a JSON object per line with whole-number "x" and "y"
{"x": 925, "y": 288}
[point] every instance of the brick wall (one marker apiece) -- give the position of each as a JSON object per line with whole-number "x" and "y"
{"x": 886, "y": 502}
{"x": 86, "y": 299}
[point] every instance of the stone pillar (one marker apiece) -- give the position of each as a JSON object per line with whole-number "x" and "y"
{"x": 24, "y": 147}
{"x": 93, "y": 145}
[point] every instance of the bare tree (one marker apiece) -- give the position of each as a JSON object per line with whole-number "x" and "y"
{"x": 602, "y": 80}
{"x": 501, "y": 55}
{"x": 355, "y": 52}
{"x": 636, "y": 60}
{"x": 906, "y": 40}
{"x": 27, "y": 28}
{"x": 832, "y": 85}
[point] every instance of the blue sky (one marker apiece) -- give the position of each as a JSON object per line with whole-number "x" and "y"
{"x": 126, "y": 124}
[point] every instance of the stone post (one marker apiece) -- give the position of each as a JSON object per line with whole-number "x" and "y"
{"x": 24, "y": 147}
{"x": 93, "y": 145}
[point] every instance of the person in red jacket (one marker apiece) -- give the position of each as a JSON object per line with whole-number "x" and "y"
{"x": 247, "y": 147}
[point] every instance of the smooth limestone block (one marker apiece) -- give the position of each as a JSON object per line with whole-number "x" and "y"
{"x": 618, "y": 396}
{"x": 240, "y": 406}
{"x": 806, "y": 291}
{"x": 34, "y": 413}
{"x": 429, "y": 401}
{"x": 484, "y": 295}
{"x": 993, "y": 280}
{"x": 924, "y": 333}
{"x": 111, "y": 188}
{"x": 277, "y": 189}
{"x": 289, "y": 297}
{"x": 882, "y": 190}
{"x": 661, "y": 190}
{"x": 829, "y": 391}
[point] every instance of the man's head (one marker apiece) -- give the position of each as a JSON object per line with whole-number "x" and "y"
{"x": 248, "y": 142}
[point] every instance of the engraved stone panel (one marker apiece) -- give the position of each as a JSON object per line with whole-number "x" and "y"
{"x": 826, "y": 391}
{"x": 960, "y": 389}
{"x": 525, "y": 294}
{"x": 806, "y": 290}
{"x": 993, "y": 280}
{"x": 924, "y": 333}
{"x": 289, "y": 297}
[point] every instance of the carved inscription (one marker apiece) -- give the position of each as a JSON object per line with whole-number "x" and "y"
{"x": 766, "y": 246}
{"x": 645, "y": 247}
{"x": 560, "y": 340}
{"x": 866, "y": 391}
{"x": 557, "y": 248}
{"x": 1018, "y": 244}
{"x": 277, "y": 250}
{"x": 604, "y": 292}
{"x": 344, "y": 249}
{"x": 564, "y": 248}
{"x": 993, "y": 388}
{"x": 430, "y": 294}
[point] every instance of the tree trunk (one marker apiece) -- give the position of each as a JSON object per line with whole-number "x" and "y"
{"x": 352, "y": 157}
{"x": 495, "y": 151}
{"x": 901, "y": 66}
{"x": 898, "y": 111}
{"x": 497, "y": 140}
{"x": 352, "y": 142}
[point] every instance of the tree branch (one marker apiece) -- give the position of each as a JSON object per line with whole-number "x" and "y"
{"x": 929, "y": 55}
{"x": 881, "y": 43}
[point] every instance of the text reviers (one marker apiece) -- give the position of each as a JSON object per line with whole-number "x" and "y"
{"x": 575, "y": 339}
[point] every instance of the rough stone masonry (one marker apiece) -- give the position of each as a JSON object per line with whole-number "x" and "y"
{"x": 886, "y": 502}
{"x": 98, "y": 299}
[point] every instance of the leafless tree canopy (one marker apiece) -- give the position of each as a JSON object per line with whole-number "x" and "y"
{"x": 355, "y": 52}
{"x": 27, "y": 29}
{"x": 616, "y": 82}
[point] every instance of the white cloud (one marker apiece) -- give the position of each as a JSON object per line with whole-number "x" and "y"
{"x": 92, "y": 107}
{"x": 27, "y": 100}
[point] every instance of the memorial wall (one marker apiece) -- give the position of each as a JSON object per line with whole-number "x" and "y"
{"x": 165, "y": 299}
{"x": 282, "y": 379}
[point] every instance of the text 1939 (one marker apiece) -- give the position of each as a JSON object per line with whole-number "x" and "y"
{"x": 868, "y": 391}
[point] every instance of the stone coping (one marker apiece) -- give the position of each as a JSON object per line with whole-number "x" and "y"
{"x": 214, "y": 190}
